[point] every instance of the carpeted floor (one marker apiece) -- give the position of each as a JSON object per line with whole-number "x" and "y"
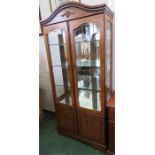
{"x": 51, "y": 143}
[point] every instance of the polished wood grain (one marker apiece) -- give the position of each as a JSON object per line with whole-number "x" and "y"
{"x": 111, "y": 114}
{"x": 67, "y": 119}
{"x": 91, "y": 127}
{"x": 111, "y": 125}
{"x": 111, "y": 139}
{"x": 80, "y": 10}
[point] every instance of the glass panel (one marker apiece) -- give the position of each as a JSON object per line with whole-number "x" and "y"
{"x": 90, "y": 99}
{"x": 108, "y": 59}
{"x": 58, "y": 50}
{"x": 87, "y": 46}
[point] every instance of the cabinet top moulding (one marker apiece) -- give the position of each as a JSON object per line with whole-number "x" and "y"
{"x": 73, "y": 10}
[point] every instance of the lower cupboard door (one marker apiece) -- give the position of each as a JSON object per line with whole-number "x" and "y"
{"x": 92, "y": 128}
{"x": 67, "y": 120}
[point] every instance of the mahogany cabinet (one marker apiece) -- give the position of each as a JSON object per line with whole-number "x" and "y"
{"x": 78, "y": 41}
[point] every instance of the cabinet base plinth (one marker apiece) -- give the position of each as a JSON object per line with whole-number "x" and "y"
{"x": 97, "y": 146}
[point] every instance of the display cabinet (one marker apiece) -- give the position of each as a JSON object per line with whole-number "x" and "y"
{"x": 79, "y": 47}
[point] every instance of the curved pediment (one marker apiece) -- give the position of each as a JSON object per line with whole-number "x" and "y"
{"x": 74, "y": 10}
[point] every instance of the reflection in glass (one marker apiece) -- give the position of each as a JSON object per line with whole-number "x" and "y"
{"x": 108, "y": 59}
{"x": 58, "y": 50}
{"x": 87, "y": 45}
{"x": 87, "y": 99}
{"x": 85, "y": 82}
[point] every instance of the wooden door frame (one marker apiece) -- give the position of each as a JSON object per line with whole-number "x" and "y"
{"x": 97, "y": 19}
{"x": 46, "y": 30}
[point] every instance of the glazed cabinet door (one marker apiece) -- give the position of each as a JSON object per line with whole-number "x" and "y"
{"x": 87, "y": 44}
{"x": 57, "y": 45}
{"x": 88, "y": 61}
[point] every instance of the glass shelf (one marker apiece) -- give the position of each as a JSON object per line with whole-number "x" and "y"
{"x": 60, "y": 85}
{"x": 86, "y": 41}
{"x": 57, "y": 44}
{"x": 88, "y": 71}
{"x": 61, "y": 66}
{"x": 88, "y": 63}
{"x": 57, "y": 66}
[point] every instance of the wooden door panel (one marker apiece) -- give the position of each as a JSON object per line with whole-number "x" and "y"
{"x": 59, "y": 61}
{"x": 91, "y": 127}
{"x": 67, "y": 119}
{"x": 111, "y": 114}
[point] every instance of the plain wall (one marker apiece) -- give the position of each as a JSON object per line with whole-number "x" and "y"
{"x": 44, "y": 77}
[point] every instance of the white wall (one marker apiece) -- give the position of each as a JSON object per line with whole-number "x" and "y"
{"x": 45, "y": 8}
{"x": 110, "y": 3}
{"x": 44, "y": 77}
{"x": 94, "y": 2}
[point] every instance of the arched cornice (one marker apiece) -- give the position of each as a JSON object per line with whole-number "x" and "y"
{"x": 80, "y": 6}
